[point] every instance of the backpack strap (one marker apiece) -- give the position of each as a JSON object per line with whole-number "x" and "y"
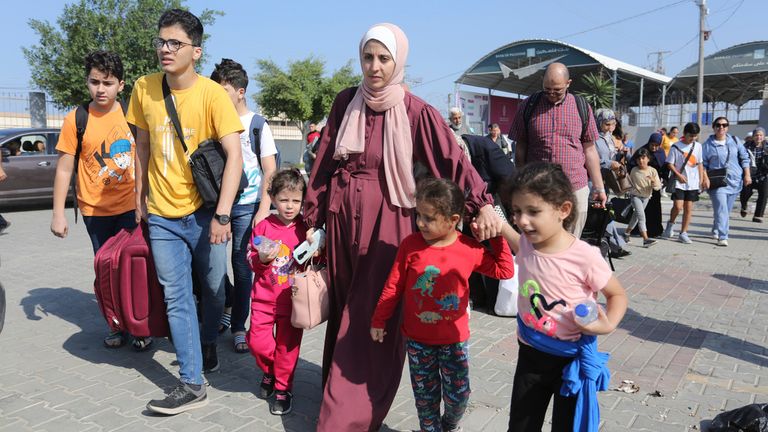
{"x": 81, "y": 122}
{"x": 257, "y": 124}
{"x": 533, "y": 100}
{"x": 583, "y": 107}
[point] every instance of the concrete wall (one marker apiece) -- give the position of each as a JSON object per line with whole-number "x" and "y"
{"x": 291, "y": 151}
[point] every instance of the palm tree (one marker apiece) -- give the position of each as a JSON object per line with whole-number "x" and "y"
{"x": 598, "y": 90}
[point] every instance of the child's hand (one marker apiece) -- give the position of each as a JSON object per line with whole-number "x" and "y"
{"x": 602, "y": 325}
{"x": 377, "y": 334}
{"x": 268, "y": 257}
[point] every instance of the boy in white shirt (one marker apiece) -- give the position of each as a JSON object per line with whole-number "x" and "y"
{"x": 684, "y": 161}
{"x": 253, "y": 204}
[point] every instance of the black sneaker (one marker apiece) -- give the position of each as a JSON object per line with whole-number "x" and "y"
{"x": 650, "y": 242}
{"x": 282, "y": 404}
{"x": 210, "y": 359}
{"x": 182, "y": 398}
{"x": 267, "y": 387}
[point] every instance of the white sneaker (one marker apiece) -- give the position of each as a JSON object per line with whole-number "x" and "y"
{"x": 669, "y": 232}
{"x": 723, "y": 243}
{"x": 683, "y": 238}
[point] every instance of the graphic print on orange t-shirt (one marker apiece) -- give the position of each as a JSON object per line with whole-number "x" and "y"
{"x": 112, "y": 162}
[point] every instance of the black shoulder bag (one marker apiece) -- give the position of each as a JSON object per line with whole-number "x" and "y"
{"x": 717, "y": 176}
{"x": 207, "y": 162}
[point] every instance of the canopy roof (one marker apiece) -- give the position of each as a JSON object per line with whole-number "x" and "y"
{"x": 519, "y": 68}
{"x": 735, "y": 75}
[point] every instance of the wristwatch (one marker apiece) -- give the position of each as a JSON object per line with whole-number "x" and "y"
{"x": 222, "y": 219}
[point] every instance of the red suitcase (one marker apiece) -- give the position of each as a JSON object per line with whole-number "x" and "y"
{"x": 129, "y": 295}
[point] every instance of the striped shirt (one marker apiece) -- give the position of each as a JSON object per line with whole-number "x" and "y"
{"x": 556, "y": 136}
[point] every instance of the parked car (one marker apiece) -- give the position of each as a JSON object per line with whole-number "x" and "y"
{"x": 29, "y": 159}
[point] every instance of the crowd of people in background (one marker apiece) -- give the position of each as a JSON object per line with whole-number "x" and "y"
{"x": 419, "y": 211}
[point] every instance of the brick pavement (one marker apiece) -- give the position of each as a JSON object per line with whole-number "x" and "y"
{"x": 695, "y": 332}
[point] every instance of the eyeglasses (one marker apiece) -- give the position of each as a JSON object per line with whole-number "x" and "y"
{"x": 556, "y": 92}
{"x": 721, "y": 125}
{"x": 172, "y": 44}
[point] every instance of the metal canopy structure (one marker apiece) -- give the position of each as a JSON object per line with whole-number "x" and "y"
{"x": 519, "y": 68}
{"x": 734, "y": 75}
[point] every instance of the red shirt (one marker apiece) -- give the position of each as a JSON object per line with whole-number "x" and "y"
{"x": 434, "y": 282}
{"x": 311, "y": 136}
{"x": 272, "y": 281}
{"x": 556, "y": 135}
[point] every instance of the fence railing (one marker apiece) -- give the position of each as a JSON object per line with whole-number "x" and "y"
{"x": 27, "y": 108}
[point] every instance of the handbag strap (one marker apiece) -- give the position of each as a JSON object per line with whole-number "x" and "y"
{"x": 170, "y": 107}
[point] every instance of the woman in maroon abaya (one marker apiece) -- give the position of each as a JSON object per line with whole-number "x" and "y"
{"x": 362, "y": 188}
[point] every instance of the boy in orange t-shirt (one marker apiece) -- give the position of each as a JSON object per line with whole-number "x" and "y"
{"x": 105, "y": 166}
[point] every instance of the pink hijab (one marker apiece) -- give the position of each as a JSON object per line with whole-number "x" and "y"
{"x": 398, "y": 145}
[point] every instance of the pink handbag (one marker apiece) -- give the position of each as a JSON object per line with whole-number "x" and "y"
{"x": 309, "y": 295}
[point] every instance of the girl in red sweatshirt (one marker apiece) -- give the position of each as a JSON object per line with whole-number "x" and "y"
{"x": 272, "y": 339}
{"x": 431, "y": 274}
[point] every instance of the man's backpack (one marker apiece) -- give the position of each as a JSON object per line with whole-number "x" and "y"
{"x": 533, "y": 100}
{"x": 81, "y": 122}
{"x": 257, "y": 124}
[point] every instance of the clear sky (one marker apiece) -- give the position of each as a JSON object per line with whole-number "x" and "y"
{"x": 446, "y": 37}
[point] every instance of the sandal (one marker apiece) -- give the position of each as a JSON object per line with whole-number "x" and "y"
{"x": 241, "y": 346}
{"x": 225, "y": 322}
{"x": 141, "y": 343}
{"x": 115, "y": 339}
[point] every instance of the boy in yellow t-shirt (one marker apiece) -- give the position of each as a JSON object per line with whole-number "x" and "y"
{"x": 184, "y": 236}
{"x": 105, "y": 170}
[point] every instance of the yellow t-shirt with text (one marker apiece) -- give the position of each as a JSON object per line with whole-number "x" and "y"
{"x": 105, "y": 170}
{"x": 205, "y": 112}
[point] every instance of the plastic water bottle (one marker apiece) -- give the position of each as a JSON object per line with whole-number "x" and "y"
{"x": 585, "y": 312}
{"x": 263, "y": 244}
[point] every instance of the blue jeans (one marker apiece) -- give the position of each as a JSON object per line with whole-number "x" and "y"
{"x": 180, "y": 246}
{"x": 102, "y": 228}
{"x": 722, "y": 203}
{"x": 240, "y": 298}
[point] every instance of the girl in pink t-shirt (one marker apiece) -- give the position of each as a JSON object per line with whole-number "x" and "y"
{"x": 273, "y": 341}
{"x": 556, "y": 272}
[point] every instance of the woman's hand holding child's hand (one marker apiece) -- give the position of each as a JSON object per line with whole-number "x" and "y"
{"x": 377, "y": 334}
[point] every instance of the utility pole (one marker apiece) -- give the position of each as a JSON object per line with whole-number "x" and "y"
{"x": 700, "y": 87}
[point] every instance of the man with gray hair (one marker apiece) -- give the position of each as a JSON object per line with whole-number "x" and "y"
{"x": 571, "y": 143}
{"x": 459, "y": 128}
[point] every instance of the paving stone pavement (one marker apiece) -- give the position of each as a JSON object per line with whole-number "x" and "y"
{"x": 694, "y": 340}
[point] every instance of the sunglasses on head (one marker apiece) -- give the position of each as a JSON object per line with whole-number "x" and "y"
{"x": 721, "y": 125}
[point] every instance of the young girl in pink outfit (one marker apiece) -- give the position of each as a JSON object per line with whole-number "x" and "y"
{"x": 272, "y": 339}
{"x": 558, "y": 356}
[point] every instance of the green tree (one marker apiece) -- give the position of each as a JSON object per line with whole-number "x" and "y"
{"x": 598, "y": 90}
{"x": 301, "y": 92}
{"x": 122, "y": 26}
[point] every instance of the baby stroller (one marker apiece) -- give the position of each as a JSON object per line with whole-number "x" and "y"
{"x": 593, "y": 233}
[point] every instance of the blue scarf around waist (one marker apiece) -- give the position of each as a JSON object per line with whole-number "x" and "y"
{"x": 583, "y": 377}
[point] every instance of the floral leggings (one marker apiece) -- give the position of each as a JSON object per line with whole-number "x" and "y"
{"x": 439, "y": 370}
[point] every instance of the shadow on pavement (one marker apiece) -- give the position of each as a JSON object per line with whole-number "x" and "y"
{"x": 670, "y": 332}
{"x": 749, "y": 284}
{"x": 81, "y": 309}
